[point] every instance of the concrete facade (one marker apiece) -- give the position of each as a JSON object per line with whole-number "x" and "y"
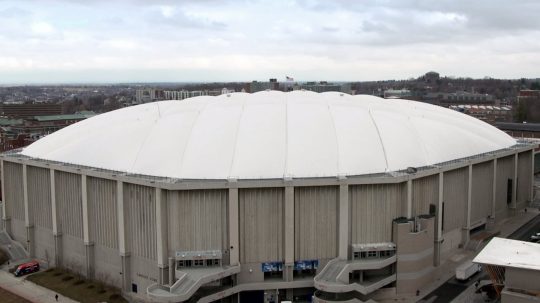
{"x": 135, "y": 231}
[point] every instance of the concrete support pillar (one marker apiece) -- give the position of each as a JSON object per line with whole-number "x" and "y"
{"x": 439, "y": 223}
{"x": 515, "y": 183}
{"x": 6, "y": 218}
{"x": 161, "y": 240}
{"x": 172, "y": 269}
{"x": 56, "y": 226}
{"x": 409, "y": 198}
{"x": 494, "y": 191}
{"x": 88, "y": 244}
{"x": 28, "y": 219}
{"x": 126, "y": 272}
{"x": 289, "y": 233}
{"x": 234, "y": 244}
{"x": 467, "y": 228}
{"x": 344, "y": 224}
{"x": 124, "y": 253}
{"x": 531, "y": 194}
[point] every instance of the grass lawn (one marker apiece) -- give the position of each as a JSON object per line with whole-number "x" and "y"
{"x": 68, "y": 284}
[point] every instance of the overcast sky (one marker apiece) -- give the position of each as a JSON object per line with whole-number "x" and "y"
{"x": 224, "y": 40}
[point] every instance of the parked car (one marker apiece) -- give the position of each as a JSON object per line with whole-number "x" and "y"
{"x": 535, "y": 237}
{"x": 26, "y": 268}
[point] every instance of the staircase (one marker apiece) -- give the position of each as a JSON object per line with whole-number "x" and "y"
{"x": 334, "y": 277}
{"x": 189, "y": 281}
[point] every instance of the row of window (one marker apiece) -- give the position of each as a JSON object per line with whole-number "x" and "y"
{"x": 373, "y": 254}
{"x": 197, "y": 263}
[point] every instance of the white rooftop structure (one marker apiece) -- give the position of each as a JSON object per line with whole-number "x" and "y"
{"x": 271, "y": 134}
{"x": 510, "y": 253}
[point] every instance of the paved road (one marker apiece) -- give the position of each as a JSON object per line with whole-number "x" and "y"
{"x": 452, "y": 288}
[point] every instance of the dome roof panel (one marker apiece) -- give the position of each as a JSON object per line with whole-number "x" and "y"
{"x": 271, "y": 134}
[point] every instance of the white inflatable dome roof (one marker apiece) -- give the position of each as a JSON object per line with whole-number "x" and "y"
{"x": 271, "y": 134}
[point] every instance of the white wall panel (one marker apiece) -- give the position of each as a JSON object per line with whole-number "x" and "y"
{"x": 505, "y": 172}
{"x": 69, "y": 203}
{"x": 39, "y": 196}
{"x": 482, "y": 191}
{"x": 373, "y": 208}
{"x": 13, "y": 177}
{"x": 425, "y": 192}
{"x": 140, "y": 203}
{"x": 315, "y": 222}
{"x": 102, "y": 212}
{"x": 455, "y": 194}
{"x": 197, "y": 220}
{"x": 261, "y": 224}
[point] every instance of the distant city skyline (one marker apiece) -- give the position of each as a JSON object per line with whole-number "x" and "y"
{"x": 209, "y": 40}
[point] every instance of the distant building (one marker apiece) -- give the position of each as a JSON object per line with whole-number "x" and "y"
{"x": 148, "y": 95}
{"x": 19, "y": 133}
{"x": 29, "y": 110}
{"x": 324, "y": 86}
{"x": 528, "y": 106}
{"x": 460, "y": 97}
{"x": 256, "y": 86}
{"x": 514, "y": 269}
{"x": 184, "y": 94}
{"x": 397, "y": 93}
{"x": 488, "y": 113}
{"x": 520, "y": 130}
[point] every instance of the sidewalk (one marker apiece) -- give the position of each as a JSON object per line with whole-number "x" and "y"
{"x": 28, "y": 290}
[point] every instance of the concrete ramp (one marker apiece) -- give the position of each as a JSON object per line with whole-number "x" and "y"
{"x": 14, "y": 249}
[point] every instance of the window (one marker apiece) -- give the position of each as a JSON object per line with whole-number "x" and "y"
{"x": 134, "y": 287}
{"x": 356, "y": 255}
{"x": 181, "y": 264}
{"x": 216, "y": 262}
{"x": 363, "y": 255}
{"x": 197, "y": 263}
{"x": 371, "y": 254}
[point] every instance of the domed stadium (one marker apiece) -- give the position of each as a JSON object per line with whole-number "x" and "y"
{"x": 329, "y": 195}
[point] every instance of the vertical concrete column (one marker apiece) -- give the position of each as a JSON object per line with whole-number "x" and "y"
{"x": 514, "y": 184}
{"x": 172, "y": 270}
{"x": 531, "y": 194}
{"x": 122, "y": 247}
{"x": 439, "y": 233}
{"x": 28, "y": 219}
{"x": 57, "y": 228}
{"x": 289, "y": 232}
{"x": 466, "y": 230}
{"x": 234, "y": 243}
{"x": 409, "y": 198}
{"x": 162, "y": 238}
{"x": 88, "y": 244}
{"x": 494, "y": 191}
{"x": 6, "y": 218}
{"x": 344, "y": 224}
